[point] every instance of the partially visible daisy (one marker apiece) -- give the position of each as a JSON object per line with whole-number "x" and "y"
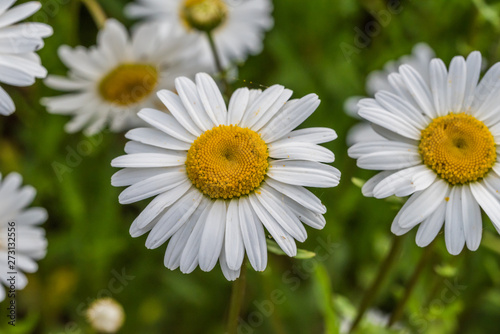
{"x": 19, "y": 64}
{"x": 441, "y": 141}
{"x": 221, "y": 175}
{"x": 19, "y": 229}
{"x": 111, "y": 82}
{"x": 237, "y": 26}
{"x": 379, "y": 80}
{"x": 106, "y": 315}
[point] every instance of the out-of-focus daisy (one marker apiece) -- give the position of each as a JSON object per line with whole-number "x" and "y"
{"x": 19, "y": 230}
{"x": 379, "y": 80}
{"x": 220, "y": 175}
{"x": 106, "y": 315}
{"x": 19, "y": 64}
{"x": 111, "y": 82}
{"x": 237, "y": 26}
{"x": 441, "y": 146}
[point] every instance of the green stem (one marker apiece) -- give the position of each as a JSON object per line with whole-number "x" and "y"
{"x": 237, "y": 296}
{"x": 422, "y": 264}
{"x": 96, "y": 11}
{"x": 377, "y": 283}
{"x": 218, "y": 64}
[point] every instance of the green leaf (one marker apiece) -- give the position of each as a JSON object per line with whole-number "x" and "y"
{"x": 358, "y": 182}
{"x": 325, "y": 299}
{"x": 302, "y": 254}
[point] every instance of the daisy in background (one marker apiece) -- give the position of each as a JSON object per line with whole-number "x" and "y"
{"x": 105, "y": 315}
{"x": 109, "y": 83}
{"x": 221, "y": 175}
{"x": 237, "y": 26}
{"x": 441, "y": 132}
{"x": 19, "y": 64}
{"x": 19, "y": 228}
{"x": 379, "y": 80}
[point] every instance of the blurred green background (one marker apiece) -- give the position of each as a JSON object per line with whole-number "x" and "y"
{"x": 88, "y": 230}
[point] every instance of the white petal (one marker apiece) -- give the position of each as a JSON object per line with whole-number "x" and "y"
{"x": 7, "y": 106}
{"x": 129, "y": 176}
{"x": 211, "y": 98}
{"x": 473, "y": 71}
{"x": 418, "y": 88}
{"x": 390, "y": 122}
{"x": 166, "y": 123}
{"x": 19, "y": 13}
{"x": 439, "y": 84}
{"x": 160, "y": 203}
{"x": 405, "y": 182}
{"x": 274, "y": 203}
{"x": 237, "y": 105}
{"x": 141, "y": 160}
{"x": 300, "y": 151}
{"x": 174, "y": 218}
{"x": 189, "y": 258}
{"x": 299, "y": 194}
{"x": 454, "y": 224}
{"x": 367, "y": 147}
{"x": 291, "y": 115}
{"x": 229, "y": 273}
{"x": 284, "y": 240}
{"x": 154, "y": 137}
{"x": 234, "y": 247}
{"x": 456, "y": 83}
{"x": 253, "y": 235}
{"x": 370, "y": 184}
{"x": 304, "y": 173}
{"x": 390, "y": 160}
{"x": 213, "y": 236}
{"x": 308, "y": 217}
{"x": 487, "y": 201}
{"x": 398, "y": 106}
{"x": 151, "y": 187}
{"x": 190, "y": 98}
{"x": 174, "y": 104}
{"x": 422, "y": 204}
{"x": 430, "y": 227}
{"x": 471, "y": 213}
{"x": 309, "y": 135}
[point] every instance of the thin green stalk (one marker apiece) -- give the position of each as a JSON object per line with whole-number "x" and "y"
{"x": 96, "y": 12}
{"x": 371, "y": 293}
{"x": 218, "y": 64}
{"x": 422, "y": 264}
{"x": 237, "y": 297}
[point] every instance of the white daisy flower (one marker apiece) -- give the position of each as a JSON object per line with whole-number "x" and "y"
{"x": 106, "y": 315}
{"x": 19, "y": 64}
{"x": 379, "y": 80}
{"x": 19, "y": 229}
{"x": 220, "y": 175}
{"x": 441, "y": 141}
{"x": 111, "y": 82}
{"x": 237, "y": 26}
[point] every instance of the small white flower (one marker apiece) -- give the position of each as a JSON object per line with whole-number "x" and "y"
{"x": 19, "y": 228}
{"x": 106, "y": 315}
{"x": 441, "y": 141}
{"x": 220, "y": 175}
{"x": 379, "y": 80}
{"x": 237, "y": 26}
{"x": 19, "y": 64}
{"x": 111, "y": 82}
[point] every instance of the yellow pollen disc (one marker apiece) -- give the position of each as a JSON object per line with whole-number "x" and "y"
{"x": 129, "y": 84}
{"x": 227, "y": 161}
{"x": 458, "y": 147}
{"x": 204, "y": 15}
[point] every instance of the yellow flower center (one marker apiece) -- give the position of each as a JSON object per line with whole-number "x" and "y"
{"x": 129, "y": 84}
{"x": 227, "y": 161}
{"x": 204, "y": 15}
{"x": 458, "y": 147}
